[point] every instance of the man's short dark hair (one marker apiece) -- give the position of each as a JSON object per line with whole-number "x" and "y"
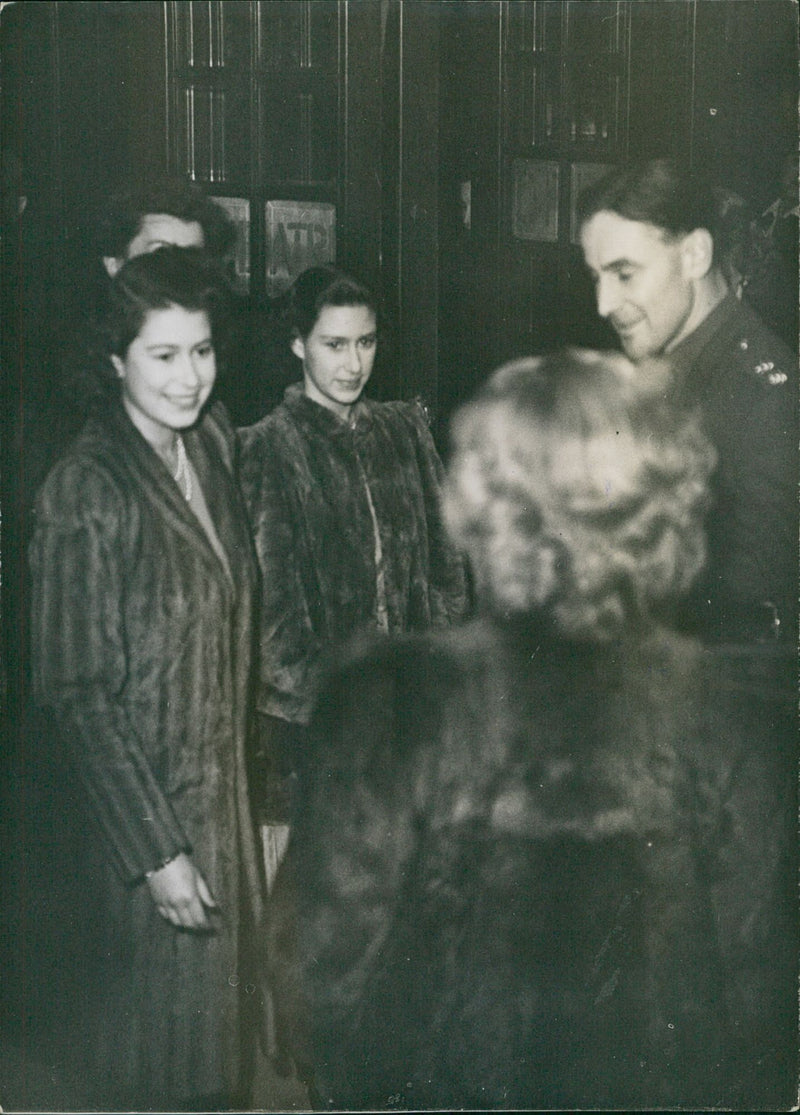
{"x": 661, "y": 192}
{"x": 122, "y": 216}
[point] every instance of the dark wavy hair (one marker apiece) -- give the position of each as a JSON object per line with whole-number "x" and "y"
{"x": 122, "y": 216}
{"x": 170, "y": 276}
{"x": 318, "y": 287}
{"x": 578, "y": 492}
{"x": 661, "y": 192}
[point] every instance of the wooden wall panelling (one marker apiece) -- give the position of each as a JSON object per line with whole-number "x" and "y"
{"x": 210, "y": 84}
{"x": 360, "y": 242}
{"x": 594, "y": 63}
{"x": 387, "y": 375}
{"x": 138, "y": 34}
{"x": 87, "y": 106}
{"x": 576, "y": 86}
{"x": 31, "y": 130}
{"x": 409, "y": 172}
{"x": 256, "y": 102}
{"x": 417, "y": 273}
{"x": 342, "y": 104}
{"x": 471, "y": 304}
{"x": 565, "y": 113}
{"x": 661, "y": 78}
{"x": 299, "y": 130}
{"x": 300, "y": 36}
{"x": 32, "y": 258}
{"x": 745, "y": 124}
{"x": 298, "y": 79}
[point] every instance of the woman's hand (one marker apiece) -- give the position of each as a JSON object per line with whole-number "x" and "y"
{"x": 181, "y": 894}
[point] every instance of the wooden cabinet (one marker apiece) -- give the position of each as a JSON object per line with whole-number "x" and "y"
{"x": 210, "y": 92}
{"x": 254, "y": 92}
{"x": 257, "y": 108}
{"x": 565, "y": 76}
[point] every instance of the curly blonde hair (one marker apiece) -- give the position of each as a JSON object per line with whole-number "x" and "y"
{"x": 578, "y": 491}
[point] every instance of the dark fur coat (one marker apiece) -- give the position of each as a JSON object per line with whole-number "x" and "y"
{"x": 308, "y": 478}
{"x": 517, "y": 880}
{"x": 142, "y": 648}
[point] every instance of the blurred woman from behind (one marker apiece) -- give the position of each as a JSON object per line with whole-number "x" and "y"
{"x": 506, "y": 830}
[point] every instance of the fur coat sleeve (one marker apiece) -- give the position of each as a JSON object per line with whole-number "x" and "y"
{"x": 141, "y": 641}
{"x": 81, "y": 665}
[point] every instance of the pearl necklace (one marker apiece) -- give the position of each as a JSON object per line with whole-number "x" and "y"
{"x": 182, "y": 473}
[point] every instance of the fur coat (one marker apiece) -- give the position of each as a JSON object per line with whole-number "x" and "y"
{"x": 141, "y": 644}
{"x": 525, "y": 874}
{"x": 309, "y": 479}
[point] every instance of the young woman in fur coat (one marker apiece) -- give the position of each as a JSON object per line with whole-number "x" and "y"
{"x": 344, "y": 500}
{"x": 511, "y": 834}
{"x": 143, "y": 590}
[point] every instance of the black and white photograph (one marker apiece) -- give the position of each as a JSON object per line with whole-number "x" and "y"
{"x": 399, "y": 555}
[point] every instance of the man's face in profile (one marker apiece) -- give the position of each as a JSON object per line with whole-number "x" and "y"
{"x": 642, "y": 282}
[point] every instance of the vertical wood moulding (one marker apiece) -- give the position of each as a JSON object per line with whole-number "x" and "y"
{"x": 502, "y": 81}
{"x": 532, "y": 83}
{"x": 223, "y": 139}
{"x": 217, "y": 136}
{"x": 343, "y": 113}
{"x": 58, "y": 137}
{"x": 191, "y": 153}
{"x": 190, "y": 33}
{"x": 400, "y": 172}
{"x": 169, "y": 86}
{"x": 307, "y": 107}
{"x": 212, "y": 131}
{"x": 624, "y": 139}
{"x": 257, "y": 167}
{"x": 306, "y": 60}
{"x": 221, "y": 45}
{"x": 692, "y": 103}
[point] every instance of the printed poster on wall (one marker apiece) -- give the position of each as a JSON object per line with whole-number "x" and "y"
{"x": 299, "y": 234}
{"x": 238, "y": 209}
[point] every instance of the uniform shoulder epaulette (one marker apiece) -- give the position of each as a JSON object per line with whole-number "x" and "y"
{"x": 756, "y": 361}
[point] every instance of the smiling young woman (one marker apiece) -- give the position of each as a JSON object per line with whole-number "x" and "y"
{"x": 143, "y": 590}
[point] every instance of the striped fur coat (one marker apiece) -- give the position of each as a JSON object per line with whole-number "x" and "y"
{"x": 142, "y": 648}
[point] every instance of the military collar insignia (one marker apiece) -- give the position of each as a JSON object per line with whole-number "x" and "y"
{"x": 765, "y": 369}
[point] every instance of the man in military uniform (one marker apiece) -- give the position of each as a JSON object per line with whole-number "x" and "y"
{"x": 648, "y": 238}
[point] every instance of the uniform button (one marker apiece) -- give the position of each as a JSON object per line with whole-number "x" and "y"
{"x": 743, "y": 345}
